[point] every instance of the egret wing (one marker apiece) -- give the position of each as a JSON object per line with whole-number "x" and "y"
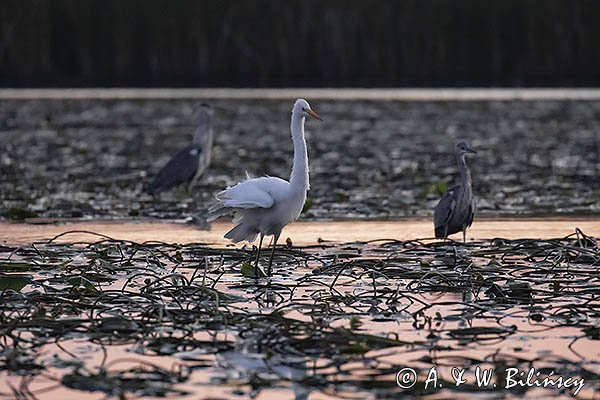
{"x": 246, "y": 194}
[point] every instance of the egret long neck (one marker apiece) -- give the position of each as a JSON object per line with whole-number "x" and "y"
{"x": 299, "y": 177}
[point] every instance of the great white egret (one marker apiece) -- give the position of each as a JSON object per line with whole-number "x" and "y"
{"x": 456, "y": 209}
{"x": 264, "y": 206}
{"x": 189, "y": 163}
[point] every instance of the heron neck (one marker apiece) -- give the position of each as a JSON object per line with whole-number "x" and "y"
{"x": 203, "y": 136}
{"x": 299, "y": 177}
{"x": 463, "y": 168}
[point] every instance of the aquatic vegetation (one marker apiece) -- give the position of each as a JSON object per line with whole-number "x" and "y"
{"x": 18, "y": 214}
{"x": 157, "y": 319}
{"x": 377, "y": 154}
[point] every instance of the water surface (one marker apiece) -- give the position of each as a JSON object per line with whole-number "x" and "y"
{"x": 338, "y": 320}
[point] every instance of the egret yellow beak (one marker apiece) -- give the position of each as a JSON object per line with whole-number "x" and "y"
{"x": 312, "y": 114}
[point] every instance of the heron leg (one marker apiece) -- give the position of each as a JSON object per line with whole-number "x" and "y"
{"x": 464, "y": 235}
{"x": 275, "y": 238}
{"x": 192, "y": 183}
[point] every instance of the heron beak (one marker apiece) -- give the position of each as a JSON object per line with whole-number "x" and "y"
{"x": 313, "y": 114}
{"x": 470, "y": 150}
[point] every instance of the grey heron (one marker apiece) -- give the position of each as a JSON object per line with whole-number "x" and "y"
{"x": 456, "y": 208}
{"x": 189, "y": 163}
{"x": 264, "y": 206}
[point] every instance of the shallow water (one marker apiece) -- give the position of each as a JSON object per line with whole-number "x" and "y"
{"x": 338, "y": 320}
{"x": 303, "y": 233}
{"x": 372, "y": 159}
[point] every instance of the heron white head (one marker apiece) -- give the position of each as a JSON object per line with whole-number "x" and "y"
{"x": 302, "y": 108}
{"x": 463, "y": 148}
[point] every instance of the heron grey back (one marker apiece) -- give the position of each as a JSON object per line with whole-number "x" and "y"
{"x": 187, "y": 165}
{"x": 456, "y": 209}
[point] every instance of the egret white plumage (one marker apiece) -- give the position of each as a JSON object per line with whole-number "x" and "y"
{"x": 264, "y": 206}
{"x": 189, "y": 163}
{"x": 456, "y": 209}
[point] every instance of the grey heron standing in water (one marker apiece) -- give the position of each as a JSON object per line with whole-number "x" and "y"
{"x": 456, "y": 209}
{"x": 264, "y": 206}
{"x": 189, "y": 163}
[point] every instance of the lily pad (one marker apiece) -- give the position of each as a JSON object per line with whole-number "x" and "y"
{"x": 14, "y": 282}
{"x": 250, "y": 271}
{"x": 80, "y": 281}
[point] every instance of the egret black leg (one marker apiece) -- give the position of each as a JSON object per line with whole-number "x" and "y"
{"x": 465, "y": 235}
{"x": 275, "y": 238}
{"x": 258, "y": 252}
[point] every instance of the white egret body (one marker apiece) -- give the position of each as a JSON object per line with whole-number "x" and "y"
{"x": 264, "y": 206}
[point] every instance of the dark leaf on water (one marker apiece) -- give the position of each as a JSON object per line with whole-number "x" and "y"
{"x": 14, "y": 282}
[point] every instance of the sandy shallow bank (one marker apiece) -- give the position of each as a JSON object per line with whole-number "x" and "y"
{"x": 301, "y": 233}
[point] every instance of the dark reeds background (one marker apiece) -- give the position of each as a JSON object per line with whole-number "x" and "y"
{"x": 299, "y": 43}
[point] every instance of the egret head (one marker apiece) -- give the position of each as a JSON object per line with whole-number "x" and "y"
{"x": 463, "y": 148}
{"x": 302, "y": 108}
